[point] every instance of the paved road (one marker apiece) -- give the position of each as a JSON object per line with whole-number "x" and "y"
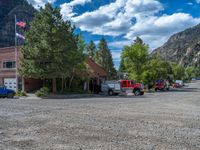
{"x": 163, "y": 120}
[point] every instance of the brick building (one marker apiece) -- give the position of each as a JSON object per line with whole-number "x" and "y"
{"x": 8, "y": 72}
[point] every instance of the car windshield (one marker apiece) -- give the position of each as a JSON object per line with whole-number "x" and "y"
{"x": 159, "y": 81}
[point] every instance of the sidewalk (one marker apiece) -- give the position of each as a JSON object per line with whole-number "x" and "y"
{"x": 55, "y": 96}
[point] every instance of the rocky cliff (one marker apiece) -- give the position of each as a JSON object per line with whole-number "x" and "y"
{"x": 9, "y": 8}
{"x": 182, "y": 48}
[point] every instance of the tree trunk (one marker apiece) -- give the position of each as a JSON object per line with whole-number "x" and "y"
{"x": 72, "y": 77}
{"x": 54, "y": 86}
{"x": 62, "y": 88}
{"x": 70, "y": 82}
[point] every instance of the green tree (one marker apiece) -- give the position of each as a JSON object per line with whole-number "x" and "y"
{"x": 134, "y": 57}
{"x": 154, "y": 69}
{"x": 77, "y": 59}
{"x": 178, "y": 71}
{"x": 122, "y": 67}
{"x": 104, "y": 59}
{"x": 81, "y": 43}
{"x": 138, "y": 40}
{"x": 50, "y": 47}
{"x": 190, "y": 72}
{"x": 91, "y": 50}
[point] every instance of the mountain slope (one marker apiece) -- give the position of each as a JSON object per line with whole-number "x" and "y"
{"x": 9, "y": 8}
{"x": 182, "y": 48}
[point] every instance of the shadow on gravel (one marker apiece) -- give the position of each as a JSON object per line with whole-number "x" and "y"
{"x": 100, "y": 96}
{"x": 185, "y": 90}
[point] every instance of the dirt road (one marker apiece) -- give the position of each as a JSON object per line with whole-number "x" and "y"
{"x": 163, "y": 120}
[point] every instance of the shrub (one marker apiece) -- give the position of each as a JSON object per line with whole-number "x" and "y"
{"x": 21, "y": 93}
{"x": 44, "y": 91}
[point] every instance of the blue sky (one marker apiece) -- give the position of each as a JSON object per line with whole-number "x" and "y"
{"x": 120, "y": 21}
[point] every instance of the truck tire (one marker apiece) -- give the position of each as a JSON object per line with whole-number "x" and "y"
{"x": 137, "y": 92}
{"x": 110, "y": 93}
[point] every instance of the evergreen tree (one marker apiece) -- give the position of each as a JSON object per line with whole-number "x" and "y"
{"x": 91, "y": 50}
{"x": 81, "y": 43}
{"x": 50, "y": 47}
{"x": 104, "y": 59}
{"x": 138, "y": 40}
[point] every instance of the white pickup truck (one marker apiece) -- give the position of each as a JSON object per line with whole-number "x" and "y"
{"x": 111, "y": 87}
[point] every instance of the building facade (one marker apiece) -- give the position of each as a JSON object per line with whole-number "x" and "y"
{"x": 8, "y": 71}
{"x": 12, "y": 79}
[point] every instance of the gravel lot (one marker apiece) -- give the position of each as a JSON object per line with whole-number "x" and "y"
{"x": 163, "y": 120}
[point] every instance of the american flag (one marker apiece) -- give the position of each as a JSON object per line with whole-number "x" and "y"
{"x": 21, "y": 24}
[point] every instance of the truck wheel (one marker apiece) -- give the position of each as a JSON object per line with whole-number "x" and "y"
{"x": 10, "y": 95}
{"x": 141, "y": 93}
{"x": 110, "y": 93}
{"x": 136, "y": 92}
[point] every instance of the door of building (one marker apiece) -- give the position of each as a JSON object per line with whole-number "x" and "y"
{"x": 10, "y": 83}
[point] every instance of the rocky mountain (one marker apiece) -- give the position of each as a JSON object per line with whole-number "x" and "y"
{"x": 182, "y": 48}
{"x": 9, "y": 8}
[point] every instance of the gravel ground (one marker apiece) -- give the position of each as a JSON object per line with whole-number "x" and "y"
{"x": 160, "y": 121}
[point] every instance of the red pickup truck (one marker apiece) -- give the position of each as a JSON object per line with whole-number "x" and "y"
{"x": 136, "y": 88}
{"x": 161, "y": 85}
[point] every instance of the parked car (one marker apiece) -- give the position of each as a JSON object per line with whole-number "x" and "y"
{"x": 111, "y": 87}
{"x": 130, "y": 85}
{"x": 122, "y": 86}
{"x": 162, "y": 85}
{"x": 176, "y": 85}
{"x": 5, "y": 92}
{"x": 180, "y": 82}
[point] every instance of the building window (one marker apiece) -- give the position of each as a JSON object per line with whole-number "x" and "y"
{"x": 9, "y": 64}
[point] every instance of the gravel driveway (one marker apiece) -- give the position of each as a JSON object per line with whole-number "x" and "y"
{"x": 163, "y": 120}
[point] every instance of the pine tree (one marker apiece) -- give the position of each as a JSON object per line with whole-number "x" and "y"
{"x": 50, "y": 47}
{"x": 104, "y": 59}
{"x": 138, "y": 40}
{"x": 91, "y": 50}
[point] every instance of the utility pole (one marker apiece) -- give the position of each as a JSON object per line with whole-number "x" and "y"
{"x": 16, "y": 77}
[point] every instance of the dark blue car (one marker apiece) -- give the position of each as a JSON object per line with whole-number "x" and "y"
{"x": 4, "y": 92}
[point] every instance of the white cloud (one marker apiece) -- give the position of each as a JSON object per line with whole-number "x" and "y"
{"x": 116, "y": 54}
{"x": 119, "y": 44}
{"x": 40, "y": 3}
{"x": 190, "y": 3}
{"x": 79, "y": 2}
{"x": 131, "y": 18}
{"x": 127, "y": 18}
{"x": 67, "y": 8}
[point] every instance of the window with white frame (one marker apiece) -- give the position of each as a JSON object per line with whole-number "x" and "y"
{"x": 9, "y": 64}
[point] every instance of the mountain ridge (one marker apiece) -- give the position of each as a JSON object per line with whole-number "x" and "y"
{"x": 182, "y": 48}
{"x": 8, "y": 9}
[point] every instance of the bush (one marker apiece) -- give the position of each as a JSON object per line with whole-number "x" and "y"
{"x": 44, "y": 91}
{"x": 21, "y": 93}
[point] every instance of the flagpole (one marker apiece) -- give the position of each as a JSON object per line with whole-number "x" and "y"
{"x": 16, "y": 54}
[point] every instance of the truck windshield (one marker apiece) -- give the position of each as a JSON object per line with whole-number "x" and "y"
{"x": 132, "y": 82}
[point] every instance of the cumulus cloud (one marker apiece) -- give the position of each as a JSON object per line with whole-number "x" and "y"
{"x": 67, "y": 8}
{"x": 40, "y": 3}
{"x": 132, "y": 18}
